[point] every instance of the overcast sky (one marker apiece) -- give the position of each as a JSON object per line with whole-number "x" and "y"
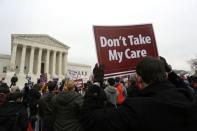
{"x": 71, "y": 21}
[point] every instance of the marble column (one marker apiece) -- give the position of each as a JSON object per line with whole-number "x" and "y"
{"x": 65, "y": 63}
{"x": 13, "y": 57}
{"x": 60, "y": 64}
{"x": 22, "y": 65}
{"x": 47, "y": 62}
{"x": 31, "y": 61}
{"x": 39, "y": 61}
{"x": 54, "y": 64}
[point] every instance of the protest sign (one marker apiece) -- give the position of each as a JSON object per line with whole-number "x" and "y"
{"x": 120, "y": 48}
{"x": 72, "y": 74}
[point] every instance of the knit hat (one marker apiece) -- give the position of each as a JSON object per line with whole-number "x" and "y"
{"x": 96, "y": 92}
{"x": 4, "y": 88}
{"x": 95, "y": 97}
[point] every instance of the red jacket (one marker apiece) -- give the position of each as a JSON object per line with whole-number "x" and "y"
{"x": 120, "y": 90}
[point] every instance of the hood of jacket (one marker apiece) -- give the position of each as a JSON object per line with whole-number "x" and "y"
{"x": 66, "y": 97}
{"x": 111, "y": 89}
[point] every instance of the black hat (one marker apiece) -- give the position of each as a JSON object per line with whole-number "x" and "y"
{"x": 4, "y": 88}
{"x": 96, "y": 92}
{"x": 95, "y": 97}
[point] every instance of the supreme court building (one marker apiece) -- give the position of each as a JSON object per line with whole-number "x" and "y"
{"x": 33, "y": 55}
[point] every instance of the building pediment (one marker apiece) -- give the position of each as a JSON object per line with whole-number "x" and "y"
{"x": 42, "y": 39}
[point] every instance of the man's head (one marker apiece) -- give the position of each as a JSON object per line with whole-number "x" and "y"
{"x": 194, "y": 81}
{"x": 151, "y": 70}
{"x": 111, "y": 81}
{"x": 117, "y": 79}
{"x": 51, "y": 85}
{"x": 4, "y": 91}
{"x": 4, "y": 88}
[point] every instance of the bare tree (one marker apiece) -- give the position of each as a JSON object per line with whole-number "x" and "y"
{"x": 193, "y": 64}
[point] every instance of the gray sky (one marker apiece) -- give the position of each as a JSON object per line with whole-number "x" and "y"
{"x": 71, "y": 21}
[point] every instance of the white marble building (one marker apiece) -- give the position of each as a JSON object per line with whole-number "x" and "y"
{"x": 34, "y": 54}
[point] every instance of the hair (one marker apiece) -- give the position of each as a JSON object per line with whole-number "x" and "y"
{"x": 194, "y": 79}
{"x": 111, "y": 81}
{"x": 51, "y": 85}
{"x": 69, "y": 85}
{"x": 117, "y": 79}
{"x": 151, "y": 70}
{"x": 38, "y": 81}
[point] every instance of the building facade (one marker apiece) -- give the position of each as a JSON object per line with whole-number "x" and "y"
{"x": 4, "y": 62}
{"x": 33, "y": 55}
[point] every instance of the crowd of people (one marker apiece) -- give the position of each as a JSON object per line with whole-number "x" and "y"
{"x": 155, "y": 99}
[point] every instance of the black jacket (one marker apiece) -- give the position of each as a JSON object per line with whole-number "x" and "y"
{"x": 14, "y": 79}
{"x": 66, "y": 109}
{"x": 159, "y": 107}
{"x": 45, "y": 110}
{"x": 45, "y": 104}
{"x": 13, "y": 117}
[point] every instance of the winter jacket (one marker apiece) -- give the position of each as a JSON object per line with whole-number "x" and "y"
{"x": 45, "y": 111}
{"x": 111, "y": 94}
{"x": 121, "y": 93}
{"x": 66, "y": 109}
{"x": 34, "y": 96}
{"x": 176, "y": 80}
{"x": 159, "y": 107}
{"x": 45, "y": 104}
{"x": 13, "y": 117}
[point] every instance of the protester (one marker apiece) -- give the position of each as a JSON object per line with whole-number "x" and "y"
{"x": 13, "y": 114}
{"x": 172, "y": 76}
{"x": 3, "y": 80}
{"x": 34, "y": 96}
{"x": 14, "y": 79}
{"x": 160, "y": 106}
{"x": 121, "y": 90}
{"x": 14, "y": 88}
{"x": 4, "y": 91}
{"x": 194, "y": 84}
{"x": 45, "y": 109}
{"x": 133, "y": 90}
{"x": 66, "y": 108}
{"x": 111, "y": 92}
{"x": 98, "y": 74}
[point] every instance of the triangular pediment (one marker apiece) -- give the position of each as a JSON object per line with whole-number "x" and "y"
{"x": 41, "y": 38}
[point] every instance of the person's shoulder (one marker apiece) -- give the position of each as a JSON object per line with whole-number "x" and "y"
{"x": 136, "y": 101}
{"x": 78, "y": 95}
{"x": 56, "y": 96}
